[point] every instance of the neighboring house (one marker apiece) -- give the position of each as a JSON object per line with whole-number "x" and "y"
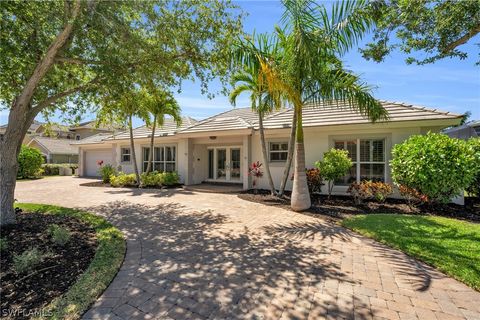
{"x": 220, "y": 148}
{"x": 468, "y": 130}
{"x": 55, "y": 150}
{"x": 54, "y": 140}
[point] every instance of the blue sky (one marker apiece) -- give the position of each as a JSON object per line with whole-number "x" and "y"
{"x": 450, "y": 85}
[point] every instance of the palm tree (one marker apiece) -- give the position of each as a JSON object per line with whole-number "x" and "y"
{"x": 159, "y": 104}
{"x": 311, "y": 72}
{"x": 121, "y": 107}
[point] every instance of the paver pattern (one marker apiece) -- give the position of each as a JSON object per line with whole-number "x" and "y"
{"x": 194, "y": 255}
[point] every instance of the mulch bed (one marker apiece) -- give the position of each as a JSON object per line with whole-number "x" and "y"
{"x": 343, "y": 206}
{"x": 51, "y": 278}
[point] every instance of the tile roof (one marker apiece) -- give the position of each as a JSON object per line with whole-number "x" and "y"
{"x": 238, "y": 118}
{"x": 92, "y": 125}
{"x": 337, "y": 114}
{"x": 56, "y": 146}
{"x": 96, "y": 138}
{"x": 169, "y": 128}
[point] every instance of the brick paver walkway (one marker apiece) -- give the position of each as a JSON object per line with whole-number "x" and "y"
{"x": 194, "y": 255}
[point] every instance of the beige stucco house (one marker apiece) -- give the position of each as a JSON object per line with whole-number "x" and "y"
{"x": 220, "y": 148}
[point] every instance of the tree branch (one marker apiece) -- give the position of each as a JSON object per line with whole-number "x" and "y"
{"x": 75, "y": 61}
{"x": 52, "y": 99}
{"x": 47, "y": 61}
{"x": 462, "y": 40}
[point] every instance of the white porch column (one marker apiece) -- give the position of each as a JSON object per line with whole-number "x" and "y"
{"x": 189, "y": 159}
{"x": 115, "y": 155}
{"x": 81, "y": 161}
{"x": 247, "y": 159}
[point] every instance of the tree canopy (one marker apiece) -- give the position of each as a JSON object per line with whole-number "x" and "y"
{"x": 436, "y": 29}
{"x": 111, "y": 44}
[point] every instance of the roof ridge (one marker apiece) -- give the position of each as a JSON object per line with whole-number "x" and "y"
{"x": 419, "y": 107}
{"x": 200, "y": 122}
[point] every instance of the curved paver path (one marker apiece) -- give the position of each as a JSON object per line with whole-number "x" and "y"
{"x": 197, "y": 255}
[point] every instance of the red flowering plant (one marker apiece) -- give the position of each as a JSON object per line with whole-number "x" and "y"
{"x": 255, "y": 171}
{"x": 99, "y": 163}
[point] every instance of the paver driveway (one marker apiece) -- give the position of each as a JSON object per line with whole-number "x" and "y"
{"x": 197, "y": 255}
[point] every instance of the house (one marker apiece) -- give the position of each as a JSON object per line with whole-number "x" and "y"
{"x": 54, "y": 140}
{"x": 220, "y": 148}
{"x": 468, "y": 130}
{"x": 55, "y": 150}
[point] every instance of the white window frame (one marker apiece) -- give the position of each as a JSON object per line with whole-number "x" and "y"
{"x": 357, "y": 162}
{"x": 122, "y": 149}
{"x": 164, "y": 162}
{"x": 270, "y": 151}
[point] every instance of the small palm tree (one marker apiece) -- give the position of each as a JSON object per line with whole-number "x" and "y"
{"x": 249, "y": 79}
{"x": 160, "y": 103}
{"x": 121, "y": 107}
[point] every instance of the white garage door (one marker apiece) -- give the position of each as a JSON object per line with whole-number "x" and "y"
{"x": 91, "y": 159}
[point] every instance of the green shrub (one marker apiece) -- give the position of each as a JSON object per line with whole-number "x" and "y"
{"x": 434, "y": 165}
{"x": 3, "y": 244}
{"x": 378, "y": 191}
{"x": 29, "y": 162}
{"x": 60, "y": 235}
{"x": 53, "y": 169}
{"x": 28, "y": 260}
{"x": 152, "y": 179}
{"x": 123, "y": 180}
{"x": 106, "y": 171}
{"x": 159, "y": 179}
{"x": 474, "y": 187}
{"x": 170, "y": 178}
{"x": 335, "y": 164}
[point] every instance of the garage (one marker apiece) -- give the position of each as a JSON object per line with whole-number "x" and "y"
{"x": 91, "y": 159}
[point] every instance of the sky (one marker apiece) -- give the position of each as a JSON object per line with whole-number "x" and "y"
{"x": 449, "y": 85}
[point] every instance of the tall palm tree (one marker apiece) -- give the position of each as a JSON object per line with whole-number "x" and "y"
{"x": 159, "y": 104}
{"x": 310, "y": 70}
{"x": 121, "y": 107}
{"x": 250, "y": 79}
{"x": 247, "y": 81}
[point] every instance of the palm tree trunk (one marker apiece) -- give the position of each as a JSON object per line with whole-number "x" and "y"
{"x": 264, "y": 152}
{"x": 132, "y": 146}
{"x": 288, "y": 164}
{"x": 300, "y": 195}
{"x": 152, "y": 140}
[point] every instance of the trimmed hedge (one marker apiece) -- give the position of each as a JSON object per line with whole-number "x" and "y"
{"x": 53, "y": 169}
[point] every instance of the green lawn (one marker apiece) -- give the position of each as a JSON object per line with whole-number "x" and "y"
{"x": 100, "y": 272}
{"x": 451, "y": 245}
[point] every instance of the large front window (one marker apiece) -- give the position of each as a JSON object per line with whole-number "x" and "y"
{"x": 164, "y": 158}
{"x": 368, "y": 157}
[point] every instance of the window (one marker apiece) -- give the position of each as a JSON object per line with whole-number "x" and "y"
{"x": 278, "y": 151}
{"x": 368, "y": 157}
{"x": 77, "y": 137}
{"x": 125, "y": 154}
{"x": 164, "y": 158}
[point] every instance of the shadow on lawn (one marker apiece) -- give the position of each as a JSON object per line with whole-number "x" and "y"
{"x": 188, "y": 264}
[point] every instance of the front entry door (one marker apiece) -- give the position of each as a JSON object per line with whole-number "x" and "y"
{"x": 224, "y": 164}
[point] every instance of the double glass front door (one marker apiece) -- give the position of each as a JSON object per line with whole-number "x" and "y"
{"x": 224, "y": 164}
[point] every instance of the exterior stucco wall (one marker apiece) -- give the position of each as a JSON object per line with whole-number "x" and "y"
{"x": 192, "y": 152}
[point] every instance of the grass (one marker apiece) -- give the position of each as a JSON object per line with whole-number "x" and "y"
{"x": 451, "y": 245}
{"x": 100, "y": 272}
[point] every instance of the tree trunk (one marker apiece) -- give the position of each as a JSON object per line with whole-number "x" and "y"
{"x": 288, "y": 164}
{"x": 152, "y": 140}
{"x": 300, "y": 195}
{"x": 264, "y": 153}
{"x": 132, "y": 146}
{"x": 8, "y": 177}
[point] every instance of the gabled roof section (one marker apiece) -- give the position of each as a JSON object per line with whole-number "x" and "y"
{"x": 55, "y": 146}
{"x": 96, "y": 138}
{"x": 235, "y": 119}
{"x": 169, "y": 128}
{"x": 91, "y": 124}
{"x": 327, "y": 114}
